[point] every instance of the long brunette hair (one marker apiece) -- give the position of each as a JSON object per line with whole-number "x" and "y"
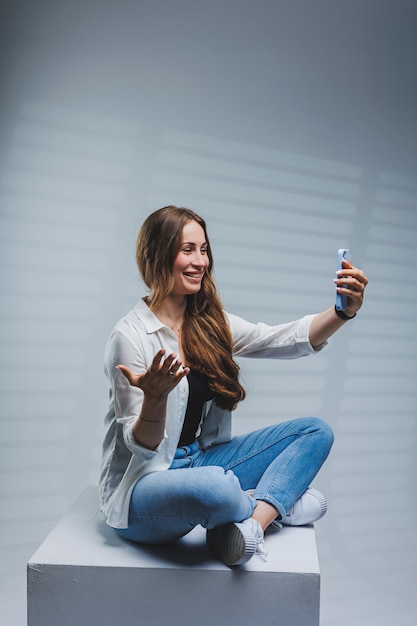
{"x": 206, "y": 337}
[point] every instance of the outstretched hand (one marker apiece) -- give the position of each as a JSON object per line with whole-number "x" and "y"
{"x": 351, "y": 281}
{"x": 161, "y": 378}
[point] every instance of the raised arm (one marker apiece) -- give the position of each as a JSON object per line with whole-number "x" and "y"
{"x": 350, "y": 281}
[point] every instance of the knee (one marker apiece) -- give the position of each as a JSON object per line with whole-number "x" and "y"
{"x": 323, "y": 431}
{"x": 318, "y": 428}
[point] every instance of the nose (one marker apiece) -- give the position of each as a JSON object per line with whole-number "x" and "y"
{"x": 199, "y": 260}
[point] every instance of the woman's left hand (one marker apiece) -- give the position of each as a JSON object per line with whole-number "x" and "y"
{"x": 351, "y": 282}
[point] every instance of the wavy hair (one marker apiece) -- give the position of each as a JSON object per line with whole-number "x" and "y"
{"x": 206, "y": 337}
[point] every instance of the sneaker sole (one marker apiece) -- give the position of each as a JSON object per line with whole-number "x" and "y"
{"x": 233, "y": 543}
{"x": 322, "y": 500}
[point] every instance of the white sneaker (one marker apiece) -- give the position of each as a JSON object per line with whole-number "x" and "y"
{"x": 309, "y": 508}
{"x": 237, "y": 542}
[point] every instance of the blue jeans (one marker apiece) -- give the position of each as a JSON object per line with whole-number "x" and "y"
{"x": 208, "y": 487}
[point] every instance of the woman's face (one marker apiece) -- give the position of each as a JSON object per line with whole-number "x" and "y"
{"x": 191, "y": 262}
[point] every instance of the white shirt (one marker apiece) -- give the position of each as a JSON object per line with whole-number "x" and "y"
{"x": 133, "y": 342}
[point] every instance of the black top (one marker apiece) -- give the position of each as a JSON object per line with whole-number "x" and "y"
{"x": 199, "y": 393}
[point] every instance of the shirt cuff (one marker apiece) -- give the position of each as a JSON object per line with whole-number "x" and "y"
{"x": 303, "y": 334}
{"x": 136, "y": 448}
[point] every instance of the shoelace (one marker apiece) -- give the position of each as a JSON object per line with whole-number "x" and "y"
{"x": 260, "y": 549}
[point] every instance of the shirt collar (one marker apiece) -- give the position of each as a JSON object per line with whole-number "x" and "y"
{"x": 149, "y": 319}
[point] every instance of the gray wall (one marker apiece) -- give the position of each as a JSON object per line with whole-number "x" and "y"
{"x": 291, "y": 127}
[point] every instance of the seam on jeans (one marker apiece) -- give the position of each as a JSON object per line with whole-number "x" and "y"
{"x": 277, "y": 476}
{"x": 260, "y": 450}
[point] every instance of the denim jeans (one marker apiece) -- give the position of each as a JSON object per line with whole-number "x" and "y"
{"x": 209, "y": 487}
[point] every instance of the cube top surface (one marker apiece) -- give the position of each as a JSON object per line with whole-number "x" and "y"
{"x": 82, "y": 538}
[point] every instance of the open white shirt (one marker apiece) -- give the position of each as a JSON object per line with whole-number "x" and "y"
{"x": 133, "y": 342}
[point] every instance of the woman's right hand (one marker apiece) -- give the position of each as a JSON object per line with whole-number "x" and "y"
{"x": 161, "y": 378}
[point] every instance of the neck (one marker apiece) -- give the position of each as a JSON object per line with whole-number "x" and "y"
{"x": 171, "y": 312}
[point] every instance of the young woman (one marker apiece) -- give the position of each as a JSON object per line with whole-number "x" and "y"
{"x": 169, "y": 460}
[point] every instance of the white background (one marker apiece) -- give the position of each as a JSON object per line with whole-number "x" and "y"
{"x": 291, "y": 128}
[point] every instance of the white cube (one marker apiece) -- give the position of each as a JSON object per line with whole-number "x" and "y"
{"x": 84, "y": 574}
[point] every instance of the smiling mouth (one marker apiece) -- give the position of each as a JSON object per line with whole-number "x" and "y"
{"x": 194, "y": 276}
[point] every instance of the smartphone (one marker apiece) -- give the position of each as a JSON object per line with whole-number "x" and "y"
{"x": 341, "y": 299}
